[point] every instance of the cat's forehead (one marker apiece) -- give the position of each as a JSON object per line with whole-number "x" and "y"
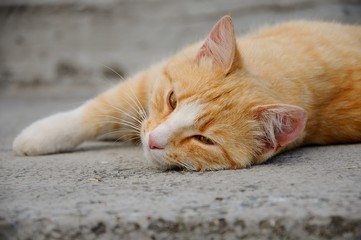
{"x": 184, "y": 67}
{"x": 191, "y": 85}
{"x": 203, "y": 85}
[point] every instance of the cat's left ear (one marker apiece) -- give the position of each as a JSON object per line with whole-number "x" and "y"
{"x": 281, "y": 124}
{"x": 220, "y": 46}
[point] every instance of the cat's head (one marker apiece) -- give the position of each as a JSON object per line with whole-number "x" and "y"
{"x": 206, "y": 113}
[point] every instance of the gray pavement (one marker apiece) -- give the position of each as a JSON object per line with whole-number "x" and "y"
{"x": 108, "y": 190}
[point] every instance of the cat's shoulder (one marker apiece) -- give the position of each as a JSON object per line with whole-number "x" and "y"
{"x": 304, "y": 27}
{"x": 304, "y": 32}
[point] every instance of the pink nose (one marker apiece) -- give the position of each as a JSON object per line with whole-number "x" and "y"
{"x": 153, "y": 144}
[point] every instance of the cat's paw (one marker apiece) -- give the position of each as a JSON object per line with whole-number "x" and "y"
{"x": 57, "y": 133}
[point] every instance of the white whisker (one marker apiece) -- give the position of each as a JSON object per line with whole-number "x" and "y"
{"x": 123, "y": 132}
{"x": 124, "y": 123}
{"x": 139, "y": 105}
{"x": 119, "y": 121}
{"x": 111, "y": 69}
{"x": 126, "y": 113}
{"x": 132, "y": 138}
{"x": 140, "y": 109}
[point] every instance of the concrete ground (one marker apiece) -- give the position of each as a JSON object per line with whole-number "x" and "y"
{"x": 109, "y": 191}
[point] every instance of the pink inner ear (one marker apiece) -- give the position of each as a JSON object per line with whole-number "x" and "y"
{"x": 203, "y": 52}
{"x": 293, "y": 124}
{"x": 220, "y": 45}
{"x": 282, "y": 124}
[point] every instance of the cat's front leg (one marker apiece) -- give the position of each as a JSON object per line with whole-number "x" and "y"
{"x": 57, "y": 133}
{"x": 116, "y": 113}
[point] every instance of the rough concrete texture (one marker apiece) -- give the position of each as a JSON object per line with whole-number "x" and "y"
{"x": 50, "y": 41}
{"x": 108, "y": 190}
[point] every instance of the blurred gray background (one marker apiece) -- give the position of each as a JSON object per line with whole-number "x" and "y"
{"x": 69, "y": 43}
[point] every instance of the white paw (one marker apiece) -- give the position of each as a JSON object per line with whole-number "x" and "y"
{"x": 57, "y": 133}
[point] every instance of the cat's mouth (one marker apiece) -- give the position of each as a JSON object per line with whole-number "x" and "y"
{"x": 154, "y": 154}
{"x": 158, "y": 158}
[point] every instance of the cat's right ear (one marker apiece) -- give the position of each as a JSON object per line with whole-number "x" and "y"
{"x": 281, "y": 124}
{"x": 220, "y": 46}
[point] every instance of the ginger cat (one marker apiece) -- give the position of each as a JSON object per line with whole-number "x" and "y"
{"x": 226, "y": 103}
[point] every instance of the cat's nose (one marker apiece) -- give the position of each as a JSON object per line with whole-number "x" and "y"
{"x": 153, "y": 144}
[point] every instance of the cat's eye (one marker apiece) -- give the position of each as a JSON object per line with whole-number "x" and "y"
{"x": 172, "y": 100}
{"x": 203, "y": 139}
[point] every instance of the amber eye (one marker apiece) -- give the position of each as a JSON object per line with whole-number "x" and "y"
{"x": 172, "y": 100}
{"x": 203, "y": 139}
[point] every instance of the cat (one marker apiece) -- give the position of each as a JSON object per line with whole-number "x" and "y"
{"x": 226, "y": 103}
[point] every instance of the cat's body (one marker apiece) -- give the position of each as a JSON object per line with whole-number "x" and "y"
{"x": 316, "y": 66}
{"x": 226, "y": 103}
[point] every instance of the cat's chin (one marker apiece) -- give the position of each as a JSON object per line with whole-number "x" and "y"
{"x": 163, "y": 167}
{"x": 156, "y": 159}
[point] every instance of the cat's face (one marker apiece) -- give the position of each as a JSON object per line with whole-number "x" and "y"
{"x": 203, "y": 113}
{"x": 195, "y": 120}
